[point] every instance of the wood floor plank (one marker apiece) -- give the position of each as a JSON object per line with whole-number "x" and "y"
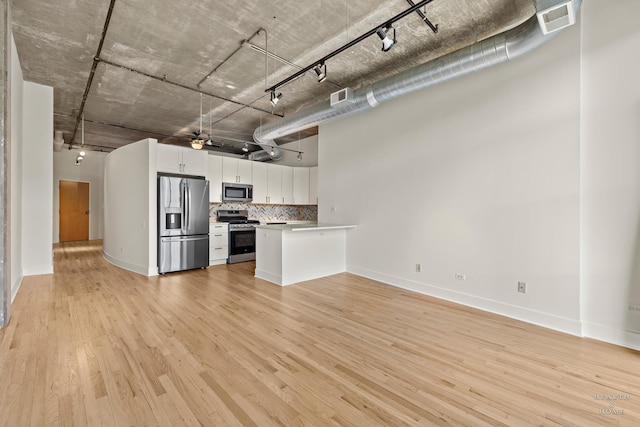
{"x": 93, "y": 345}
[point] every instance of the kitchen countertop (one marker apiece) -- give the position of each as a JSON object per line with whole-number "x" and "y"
{"x": 305, "y": 226}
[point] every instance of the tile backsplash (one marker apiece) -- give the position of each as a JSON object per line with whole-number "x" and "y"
{"x": 270, "y": 212}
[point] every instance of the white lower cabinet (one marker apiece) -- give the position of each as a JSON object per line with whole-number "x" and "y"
{"x": 218, "y": 243}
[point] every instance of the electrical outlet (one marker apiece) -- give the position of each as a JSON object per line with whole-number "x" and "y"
{"x": 634, "y": 307}
{"x": 418, "y": 268}
{"x": 522, "y": 287}
{"x": 460, "y": 276}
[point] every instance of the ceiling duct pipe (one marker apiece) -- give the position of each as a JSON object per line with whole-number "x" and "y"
{"x": 58, "y": 141}
{"x": 551, "y": 15}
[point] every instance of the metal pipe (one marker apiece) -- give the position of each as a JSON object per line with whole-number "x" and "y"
{"x": 228, "y": 57}
{"x": 93, "y": 67}
{"x": 424, "y": 18}
{"x": 180, "y": 85}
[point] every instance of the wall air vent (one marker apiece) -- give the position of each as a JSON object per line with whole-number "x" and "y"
{"x": 341, "y": 96}
{"x": 554, "y": 15}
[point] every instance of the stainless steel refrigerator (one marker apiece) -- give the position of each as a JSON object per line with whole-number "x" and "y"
{"x": 183, "y": 223}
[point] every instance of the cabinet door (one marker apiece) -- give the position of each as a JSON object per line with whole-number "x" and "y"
{"x": 169, "y": 158}
{"x": 313, "y": 185}
{"x": 229, "y": 169}
{"x": 214, "y": 175}
{"x": 301, "y": 186}
{"x": 274, "y": 184}
{"x": 244, "y": 171}
{"x": 287, "y": 185}
{"x": 194, "y": 162}
{"x": 260, "y": 180}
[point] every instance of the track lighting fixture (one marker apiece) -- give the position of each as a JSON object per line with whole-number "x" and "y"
{"x": 299, "y": 157}
{"x": 387, "y": 43}
{"x": 245, "y": 148}
{"x": 322, "y": 74}
{"x": 275, "y": 97}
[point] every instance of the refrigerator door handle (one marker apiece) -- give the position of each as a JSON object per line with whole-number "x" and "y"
{"x": 182, "y": 239}
{"x": 183, "y": 201}
{"x": 188, "y": 207}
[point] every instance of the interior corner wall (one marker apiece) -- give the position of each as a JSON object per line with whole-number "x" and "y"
{"x": 15, "y": 144}
{"x": 90, "y": 170}
{"x": 476, "y": 177}
{"x": 610, "y": 171}
{"x": 37, "y": 179}
{"x": 129, "y": 221}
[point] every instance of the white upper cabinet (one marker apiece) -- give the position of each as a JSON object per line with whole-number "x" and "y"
{"x": 300, "y": 186}
{"x": 260, "y": 182}
{"x": 287, "y": 185}
{"x": 179, "y": 160}
{"x": 236, "y": 170}
{"x": 313, "y": 185}
{"x": 274, "y": 184}
{"x": 214, "y": 175}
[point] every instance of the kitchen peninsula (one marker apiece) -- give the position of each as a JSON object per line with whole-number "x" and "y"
{"x": 292, "y": 253}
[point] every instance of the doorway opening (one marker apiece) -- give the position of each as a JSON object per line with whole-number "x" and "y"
{"x": 74, "y": 211}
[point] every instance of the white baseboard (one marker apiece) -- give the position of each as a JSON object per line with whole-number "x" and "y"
{"x": 15, "y": 287}
{"x": 140, "y": 269}
{"x": 613, "y": 336}
{"x": 562, "y": 324}
{"x": 269, "y": 277}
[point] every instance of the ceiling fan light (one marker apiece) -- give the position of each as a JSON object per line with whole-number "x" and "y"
{"x": 245, "y": 148}
{"x": 197, "y": 144}
{"x": 82, "y": 153}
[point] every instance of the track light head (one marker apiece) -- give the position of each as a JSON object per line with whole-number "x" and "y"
{"x": 299, "y": 157}
{"x": 275, "y": 97}
{"x": 387, "y": 43}
{"x": 322, "y": 74}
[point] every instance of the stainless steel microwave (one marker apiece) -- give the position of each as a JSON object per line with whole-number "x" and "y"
{"x": 233, "y": 192}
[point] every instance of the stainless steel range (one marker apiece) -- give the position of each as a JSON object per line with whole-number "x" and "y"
{"x": 242, "y": 235}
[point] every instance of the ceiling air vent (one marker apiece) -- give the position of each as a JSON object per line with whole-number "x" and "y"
{"x": 341, "y": 96}
{"x": 554, "y": 15}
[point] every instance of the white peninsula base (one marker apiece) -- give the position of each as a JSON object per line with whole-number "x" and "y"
{"x": 287, "y": 254}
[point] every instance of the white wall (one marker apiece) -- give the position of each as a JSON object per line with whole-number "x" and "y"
{"x": 478, "y": 176}
{"x": 15, "y": 144}
{"x": 129, "y": 222}
{"x": 90, "y": 170}
{"x": 611, "y": 170}
{"x": 309, "y": 146}
{"x": 37, "y": 179}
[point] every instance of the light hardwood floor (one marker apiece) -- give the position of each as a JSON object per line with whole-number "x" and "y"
{"x": 96, "y": 345}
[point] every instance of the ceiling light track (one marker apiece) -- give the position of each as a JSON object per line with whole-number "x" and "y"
{"x": 386, "y": 24}
{"x": 93, "y": 67}
{"x": 424, "y": 18}
{"x": 180, "y": 85}
{"x": 238, "y": 49}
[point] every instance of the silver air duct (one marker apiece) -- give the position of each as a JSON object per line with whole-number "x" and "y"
{"x": 489, "y": 52}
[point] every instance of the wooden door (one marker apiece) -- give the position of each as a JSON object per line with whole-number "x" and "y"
{"x": 74, "y": 211}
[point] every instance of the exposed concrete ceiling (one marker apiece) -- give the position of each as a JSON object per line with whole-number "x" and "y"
{"x": 155, "y": 53}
